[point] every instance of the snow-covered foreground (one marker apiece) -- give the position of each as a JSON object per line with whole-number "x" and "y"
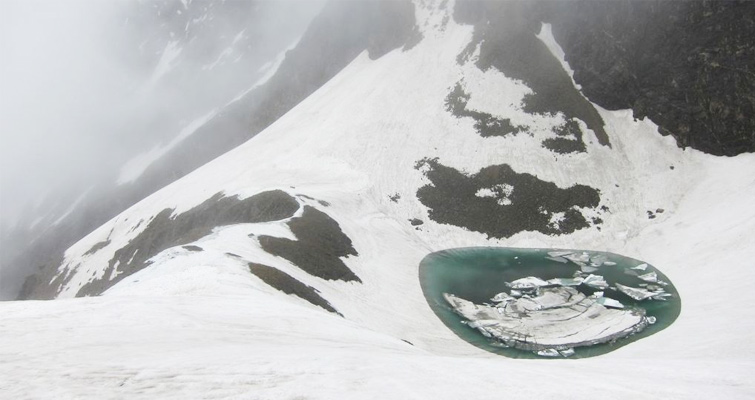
{"x": 253, "y": 347}
{"x": 200, "y": 325}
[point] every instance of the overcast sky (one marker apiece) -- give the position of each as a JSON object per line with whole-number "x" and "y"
{"x": 71, "y": 101}
{"x": 58, "y": 94}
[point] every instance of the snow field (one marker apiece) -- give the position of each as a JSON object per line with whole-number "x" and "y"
{"x": 199, "y": 325}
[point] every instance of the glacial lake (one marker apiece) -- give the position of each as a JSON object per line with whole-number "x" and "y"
{"x": 478, "y": 274}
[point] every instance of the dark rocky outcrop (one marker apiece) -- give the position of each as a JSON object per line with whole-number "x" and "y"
{"x": 318, "y": 247}
{"x": 505, "y": 32}
{"x": 569, "y": 138}
{"x": 166, "y": 230}
{"x": 416, "y": 222}
{"x": 687, "y": 65}
{"x": 289, "y": 285}
{"x": 512, "y": 202}
{"x": 486, "y": 124}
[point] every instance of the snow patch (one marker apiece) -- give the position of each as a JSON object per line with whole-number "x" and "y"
{"x": 226, "y": 53}
{"x": 169, "y": 55}
{"x": 72, "y": 207}
{"x": 546, "y": 36}
{"x": 268, "y": 69}
{"x": 500, "y": 192}
{"x": 135, "y": 167}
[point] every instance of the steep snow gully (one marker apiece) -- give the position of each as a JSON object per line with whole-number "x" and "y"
{"x": 314, "y": 293}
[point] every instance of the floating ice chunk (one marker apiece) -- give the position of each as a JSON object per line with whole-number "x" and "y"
{"x": 609, "y": 263}
{"x": 481, "y": 323}
{"x": 567, "y": 353}
{"x": 595, "y": 281}
{"x": 501, "y": 297}
{"x": 527, "y": 323}
{"x": 559, "y": 253}
{"x": 566, "y": 281}
{"x": 641, "y": 267}
{"x": 558, "y": 259}
{"x": 529, "y": 282}
{"x": 609, "y": 302}
{"x": 578, "y": 259}
{"x": 516, "y": 293}
{"x": 661, "y": 296}
{"x": 588, "y": 269}
{"x": 651, "y": 320}
{"x": 596, "y": 295}
{"x": 548, "y": 353}
{"x": 579, "y": 263}
{"x": 598, "y": 260}
{"x": 635, "y": 293}
{"x": 649, "y": 277}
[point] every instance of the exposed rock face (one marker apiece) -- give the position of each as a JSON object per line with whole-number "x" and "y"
{"x": 319, "y": 246}
{"x": 164, "y": 231}
{"x": 687, "y": 65}
{"x": 486, "y": 124}
{"x": 569, "y": 134}
{"x": 289, "y": 285}
{"x": 500, "y": 202}
{"x": 506, "y": 34}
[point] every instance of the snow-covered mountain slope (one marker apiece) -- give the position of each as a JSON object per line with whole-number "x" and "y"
{"x": 329, "y": 196}
{"x": 183, "y": 61}
{"x": 246, "y": 98}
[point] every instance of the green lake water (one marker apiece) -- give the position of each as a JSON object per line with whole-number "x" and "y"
{"x": 479, "y": 273}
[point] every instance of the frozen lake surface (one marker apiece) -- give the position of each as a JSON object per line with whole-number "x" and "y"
{"x": 534, "y": 303}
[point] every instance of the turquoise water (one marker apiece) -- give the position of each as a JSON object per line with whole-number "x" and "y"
{"x": 479, "y": 273}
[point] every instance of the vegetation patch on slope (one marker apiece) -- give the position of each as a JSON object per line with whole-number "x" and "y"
{"x": 500, "y": 202}
{"x": 289, "y": 285}
{"x": 319, "y": 246}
